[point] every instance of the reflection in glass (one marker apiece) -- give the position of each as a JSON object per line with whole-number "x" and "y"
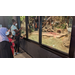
{"x": 23, "y": 25}
{"x": 33, "y": 31}
{"x": 56, "y": 32}
{"x": 8, "y": 21}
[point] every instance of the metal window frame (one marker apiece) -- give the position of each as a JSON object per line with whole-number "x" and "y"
{"x": 40, "y": 29}
{"x": 18, "y": 21}
{"x": 72, "y": 42}
{"x": 26, "y": 20}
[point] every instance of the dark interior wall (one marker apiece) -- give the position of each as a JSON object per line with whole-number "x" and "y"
{"x": 36, "y": 51}
{"x": 2, "y": 20}
{"x": 6, "y": 21}
{"x": 14, "y": 17}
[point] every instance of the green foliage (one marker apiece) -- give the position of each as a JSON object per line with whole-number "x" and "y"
{"x": 32, "y": 16}
{"x": 63, "y": 26}
{"x": 22, "y": 18}
{"x": 63, "y": 20}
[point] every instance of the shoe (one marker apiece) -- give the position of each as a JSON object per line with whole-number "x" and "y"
{"x": 18, "y": 52}
{"x": 15, "y": 54}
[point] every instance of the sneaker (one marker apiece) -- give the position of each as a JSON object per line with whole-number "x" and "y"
{"x": 15, "y": 53}
{"x": 18, "y": 52}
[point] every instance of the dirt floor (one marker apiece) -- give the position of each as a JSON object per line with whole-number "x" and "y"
{"x": 56, "y": 43}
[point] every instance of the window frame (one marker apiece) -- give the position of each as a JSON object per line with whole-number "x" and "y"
{"x": 55, "y": 51}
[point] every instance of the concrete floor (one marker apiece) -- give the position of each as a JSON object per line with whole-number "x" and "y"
{"x": 22, "y": 55}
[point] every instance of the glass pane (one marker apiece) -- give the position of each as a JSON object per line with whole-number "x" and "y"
{"x": 8, "y": 21}
{"x": 56, "y": 32}
{"x": 23, "y": 25}
{"x": 33, "y": 30}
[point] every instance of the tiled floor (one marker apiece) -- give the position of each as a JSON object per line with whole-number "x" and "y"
{"x": 22, "y": 55}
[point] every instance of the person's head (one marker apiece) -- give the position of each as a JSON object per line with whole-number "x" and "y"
{"x": 14, "y": 22}
{"x": 3, "y": 32}
{"x": 9, "y": 35}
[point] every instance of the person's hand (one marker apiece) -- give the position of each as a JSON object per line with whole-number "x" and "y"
{"x": 14, "y": 38}
{"x": 21, "y": 27}
{"x": 15, "y": 30}
{"x": 12, "y": 41}
{"x": 21, "y": 37}
{"x": 13, "y": 45}
{"x": 9, "y": 30}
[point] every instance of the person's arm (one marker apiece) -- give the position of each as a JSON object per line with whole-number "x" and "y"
{"x": 21, "y": 37}
{"x": 12, "y": 41}
{"x": 17, "y": 30}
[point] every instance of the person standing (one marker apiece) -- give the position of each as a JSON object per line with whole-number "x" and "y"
{"x": 5, "y": 49}
{"x": 15, "y": 32}
{"x": 14, "y": 28}
{"x": 36, "y": 27}
{"x": 36, "y": 23}
{"x": 9, "y": 35}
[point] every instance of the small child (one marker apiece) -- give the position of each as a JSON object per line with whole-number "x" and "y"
{"x": 12, "y": 41}
{"x": 36, "y": 28}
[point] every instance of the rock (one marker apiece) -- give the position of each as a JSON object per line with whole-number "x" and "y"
{"x": 48, "y": 30}
{"x": 44, "y": 30}
{"x": 67, "y": 43}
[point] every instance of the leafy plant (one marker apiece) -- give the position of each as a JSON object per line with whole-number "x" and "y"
{"x": 22, "y": 18}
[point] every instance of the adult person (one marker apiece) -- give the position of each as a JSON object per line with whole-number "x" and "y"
{"x": 14, "y": 28}
{"x": 15, "y": 33}
{"x": 5, "y": 50}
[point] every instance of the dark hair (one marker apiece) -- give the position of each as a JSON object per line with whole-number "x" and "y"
{"x": 13, "y": 21}
{"x": 9, "y": 34}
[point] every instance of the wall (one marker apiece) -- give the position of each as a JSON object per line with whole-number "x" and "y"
{"x": 2, "y": 20}
{"x": 36, "y": 51}
{"x": 14, "y": 17}
{"x": 6, "y": 20}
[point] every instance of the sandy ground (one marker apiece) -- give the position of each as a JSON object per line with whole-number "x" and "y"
{"x": 56, "y": 43}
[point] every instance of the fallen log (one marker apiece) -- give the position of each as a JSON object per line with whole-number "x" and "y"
{"x": 56, "y": 35}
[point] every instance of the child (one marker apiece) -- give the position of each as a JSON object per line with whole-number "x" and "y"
{"x": 36, "y": 27}
{"x": 12, "y": 41}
